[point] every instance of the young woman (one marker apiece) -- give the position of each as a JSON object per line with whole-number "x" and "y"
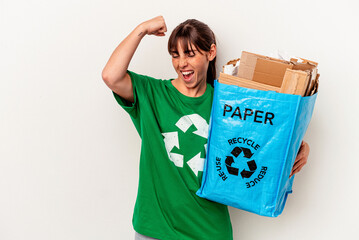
{"x": 172, "y": 117}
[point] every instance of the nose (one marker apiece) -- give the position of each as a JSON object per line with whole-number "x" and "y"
{"x": 182, "y": 61}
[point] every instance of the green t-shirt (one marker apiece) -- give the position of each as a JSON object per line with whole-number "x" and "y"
{"x": 174, "y": 130}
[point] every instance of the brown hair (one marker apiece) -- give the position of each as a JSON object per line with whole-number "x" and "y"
{"x": 199, "y": 35}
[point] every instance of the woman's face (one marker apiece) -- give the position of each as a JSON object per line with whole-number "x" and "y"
{"x": 191, "y": 66}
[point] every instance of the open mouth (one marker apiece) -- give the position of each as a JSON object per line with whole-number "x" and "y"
{"x": 187, "y": 75}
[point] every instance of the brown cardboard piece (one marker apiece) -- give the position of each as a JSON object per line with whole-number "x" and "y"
{"x": 307, "y": 65}
{"x": 263, "y": 69}
{"x": 304, "y": 61}
{"x": 241, "y": 82}
{"x": 270, "y": 74}
{"x": 315, "y": 87}
{"x": 233, "y": 62}
{"x": 295, "y": 82}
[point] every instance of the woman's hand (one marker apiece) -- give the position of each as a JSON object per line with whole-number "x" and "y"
{"x": 155, "y": 26}
{"x": 301, "y": 158}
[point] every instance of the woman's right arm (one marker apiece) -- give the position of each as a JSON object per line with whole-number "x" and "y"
{"x": 115, "y": 72}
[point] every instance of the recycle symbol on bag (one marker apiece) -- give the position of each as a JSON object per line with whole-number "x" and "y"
{"x": 252, "y": 166}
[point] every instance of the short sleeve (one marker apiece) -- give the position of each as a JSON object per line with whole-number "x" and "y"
{"x": 139, "y": 83}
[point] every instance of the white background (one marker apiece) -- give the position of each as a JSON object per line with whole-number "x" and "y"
{"x": 69, "y": 154}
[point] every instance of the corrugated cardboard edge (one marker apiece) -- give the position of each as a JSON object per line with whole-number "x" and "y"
{"x": 241, "y": 82}
{"x": 295, "y": 82}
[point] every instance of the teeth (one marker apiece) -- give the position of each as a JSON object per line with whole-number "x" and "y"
{"x": 187, "y": 73}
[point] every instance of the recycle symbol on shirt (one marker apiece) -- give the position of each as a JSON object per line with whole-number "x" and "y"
{"x": 171, "y": 140}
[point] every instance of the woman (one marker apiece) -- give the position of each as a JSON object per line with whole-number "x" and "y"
{"x": 172, "y": 116}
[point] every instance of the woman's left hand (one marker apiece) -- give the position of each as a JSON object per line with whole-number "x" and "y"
{"x": 301, "y": 158}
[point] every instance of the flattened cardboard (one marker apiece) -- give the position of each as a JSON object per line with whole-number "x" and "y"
{"x": 315, "y": 87}
{"x": 247, "y": 65}
{"x": 270, "y": 72}
{"x": 241, "y": 82}
{"x": 295, "y": 82}
{"x": 304, "y": 61}
{"x": 263, "y": 69}
{"x": 307, "y": 65}
{"x": 313, "y": 79}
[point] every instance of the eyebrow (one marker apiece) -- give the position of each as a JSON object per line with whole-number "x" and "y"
{"x": 189, "y": 51}
{"x": 185, "y": 52}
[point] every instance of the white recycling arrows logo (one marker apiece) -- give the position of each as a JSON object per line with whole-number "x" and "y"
{"x": 186, "y": 121}
{"x": 171, "y": 141}
{"x": 196, "y": 163}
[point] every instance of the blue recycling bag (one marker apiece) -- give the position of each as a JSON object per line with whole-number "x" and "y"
{"x": 254, "y": 137}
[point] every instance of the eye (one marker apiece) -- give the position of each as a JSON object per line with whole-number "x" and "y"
{"x": 190, "y": 53}
{"x": 174, "y": 55}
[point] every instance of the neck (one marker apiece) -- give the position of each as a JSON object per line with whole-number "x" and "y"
{"x": 190, "y": 91}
